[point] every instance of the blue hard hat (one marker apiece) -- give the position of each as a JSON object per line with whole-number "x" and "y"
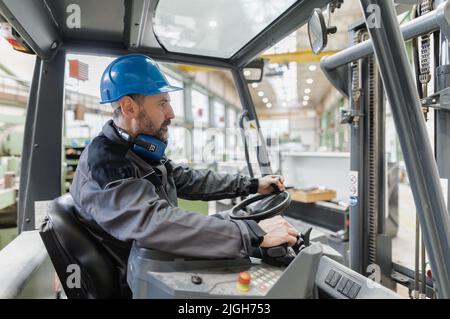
{"x": 133, "y": 74}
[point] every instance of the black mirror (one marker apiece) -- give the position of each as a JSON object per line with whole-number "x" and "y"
{"x": 317, "y": 31}
{"x": 254, "y": 71}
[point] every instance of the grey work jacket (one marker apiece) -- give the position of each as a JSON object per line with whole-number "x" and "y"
{"x": 117, "y": 200}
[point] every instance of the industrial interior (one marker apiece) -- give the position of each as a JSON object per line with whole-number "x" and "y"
{"x": 342, "y": 102}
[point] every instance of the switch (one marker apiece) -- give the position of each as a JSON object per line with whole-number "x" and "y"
{"x": 335, "y": 279}
{"x": 329, "y": 276}
{"x": 342, "y": 284}
{"x": 196, "y": 280}
{"x": 347, "y": 288}
{"x": 354, "y": 291}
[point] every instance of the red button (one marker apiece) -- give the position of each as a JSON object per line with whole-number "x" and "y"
{"x": 244, "y": 278}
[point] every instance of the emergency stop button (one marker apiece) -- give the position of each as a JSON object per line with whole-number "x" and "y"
{"x": 244, "y": 281}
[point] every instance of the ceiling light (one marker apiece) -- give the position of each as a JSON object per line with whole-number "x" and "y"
{"x": 307, "y": 91}
{"x": 265, "y": 100}
{"x": 309, "y": 81}
{"x": 212, "y": 23}
{"x": 284, "y": 104}
{"x": 247, "y": 73}
{"x": 305, "y": 103}
{"x": 261, "y": 93}
{"x": 306, "y": 98}
{"x": 269, "y": 105}
{"x": 312, "y": 68}
{"x": 254, "y": 85}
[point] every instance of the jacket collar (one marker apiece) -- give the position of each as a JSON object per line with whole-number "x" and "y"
{"x": 111, "y": 133}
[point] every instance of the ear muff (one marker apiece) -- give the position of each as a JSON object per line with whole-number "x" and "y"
{"x": 149, "y": 147}
{"x": 146, "y": 146}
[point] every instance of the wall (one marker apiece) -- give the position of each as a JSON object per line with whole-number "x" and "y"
{"x": 305, "y": 128}
{"x": 220, "y": 84}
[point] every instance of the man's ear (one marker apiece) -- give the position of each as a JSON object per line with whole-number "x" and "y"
{"x": 130, "y": 109}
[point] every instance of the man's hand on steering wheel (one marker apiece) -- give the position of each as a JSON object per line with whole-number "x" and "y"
{"x": 278, "y": 231}
{"x": 267, "y": 183}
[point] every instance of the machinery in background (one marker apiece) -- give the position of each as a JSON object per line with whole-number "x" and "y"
{"x": 73, "y": 148}
{"x": 11, "y": 138}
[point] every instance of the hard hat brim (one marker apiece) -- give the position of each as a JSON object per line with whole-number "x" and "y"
{"x": 161, "y": 90}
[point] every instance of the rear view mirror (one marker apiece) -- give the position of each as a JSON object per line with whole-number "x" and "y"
{"x": 254, "y": 71}
{"x": 317, "y": 31}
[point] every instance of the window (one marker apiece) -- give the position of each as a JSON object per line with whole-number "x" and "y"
{"x": 232, "y": 121}
{"x": 219, "y": 114}
{"x": 232, "y": 135}
{"x": 177, "y": 98}
{"x": 197, "y": 27}
{"x": 200, "y": 106}
{"x": 176, "y": 148}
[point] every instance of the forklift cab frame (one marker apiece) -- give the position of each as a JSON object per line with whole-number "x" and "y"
{"x": 119, "y": 27}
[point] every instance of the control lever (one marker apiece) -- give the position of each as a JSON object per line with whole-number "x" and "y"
{"x": 275, "y": 188}
{"x": 302, "y": 241}
{"x": 283, "y": 255}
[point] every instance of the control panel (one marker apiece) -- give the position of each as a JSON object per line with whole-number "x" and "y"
{"x": 149, "y": 278}
{"x": 337, "y": 281}
{"x": 233, "y": 281}
{"x": 346, "y": 287}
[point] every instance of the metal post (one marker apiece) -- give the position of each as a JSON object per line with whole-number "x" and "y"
{"x": 43, "y": 139}
{"x": 28, "y": 141}
{"x": 247, "y": 105}
{"x": 400, "y": 88}
{"x": 381, "y": 159}
{"x": 357, "y": 163}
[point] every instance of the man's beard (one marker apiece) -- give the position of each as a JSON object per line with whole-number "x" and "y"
{"x": 146, "y": 126}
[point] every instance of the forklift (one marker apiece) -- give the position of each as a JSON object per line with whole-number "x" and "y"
{"x": 52, "y": 29}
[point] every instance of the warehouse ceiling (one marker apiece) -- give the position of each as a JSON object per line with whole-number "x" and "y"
{"x": 297, "y": 87}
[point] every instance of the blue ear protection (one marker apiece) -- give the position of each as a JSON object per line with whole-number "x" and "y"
{"x": 149, "y": 147}
{"x": 146, "y": 146}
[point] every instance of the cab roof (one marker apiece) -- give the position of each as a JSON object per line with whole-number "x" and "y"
{"x": 222, "y": 33}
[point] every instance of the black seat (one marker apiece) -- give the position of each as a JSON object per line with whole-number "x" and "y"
{"x": 68, "y": 242}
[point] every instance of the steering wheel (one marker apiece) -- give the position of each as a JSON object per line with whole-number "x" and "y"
{"x": 268, "y": 206}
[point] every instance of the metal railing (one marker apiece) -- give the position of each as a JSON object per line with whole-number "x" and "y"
{"x": 16, "y": 91}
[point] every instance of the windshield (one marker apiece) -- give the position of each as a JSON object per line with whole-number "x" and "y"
{"x": 196, "y": 27}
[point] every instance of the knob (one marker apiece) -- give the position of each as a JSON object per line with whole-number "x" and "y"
{"x": 244, "y": 281}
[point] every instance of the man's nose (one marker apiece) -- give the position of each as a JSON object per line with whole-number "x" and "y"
{"x": 170, "y": 114}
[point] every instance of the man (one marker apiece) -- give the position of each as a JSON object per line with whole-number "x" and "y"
{"x": 125, "y": 189}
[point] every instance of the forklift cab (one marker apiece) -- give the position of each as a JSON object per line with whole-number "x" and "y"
{"x": 191, "y": 33}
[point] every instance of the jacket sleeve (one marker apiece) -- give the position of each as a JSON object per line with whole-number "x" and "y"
{"x": 132, "y": 210}
{"x": 203, "y": 184}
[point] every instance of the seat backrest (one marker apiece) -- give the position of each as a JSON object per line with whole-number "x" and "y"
{"x": 72, "y": 247}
